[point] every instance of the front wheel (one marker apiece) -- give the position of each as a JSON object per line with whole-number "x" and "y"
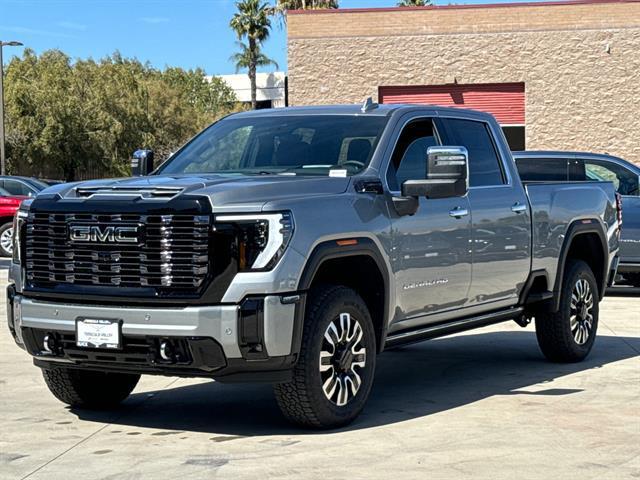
{"x": 89, "y": 389}
{"x": 334, "y": 374}
{"x": 6, "y": 239}
{"x": 568, "y": 334}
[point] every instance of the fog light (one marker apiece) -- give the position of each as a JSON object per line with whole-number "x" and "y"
{"x": 49, "y": 343}
{"x": 166, "y": 350}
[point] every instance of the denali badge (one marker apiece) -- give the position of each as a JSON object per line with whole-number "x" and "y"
{"x": 109, "y": 234}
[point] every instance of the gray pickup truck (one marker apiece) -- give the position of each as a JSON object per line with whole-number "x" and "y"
{"x": 292, "y": 246}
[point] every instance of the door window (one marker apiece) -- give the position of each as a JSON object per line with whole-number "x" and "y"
{"x": 409, "y": 160}
{"x": 484, "y": 165}
{"x": 625, "y": 181}
{"x": 18, "y": 188}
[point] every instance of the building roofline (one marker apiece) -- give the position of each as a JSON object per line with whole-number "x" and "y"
{"x": 458, "y": 7}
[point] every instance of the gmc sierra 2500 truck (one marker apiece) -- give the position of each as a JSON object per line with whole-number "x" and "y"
{"x": 292, "y": 246}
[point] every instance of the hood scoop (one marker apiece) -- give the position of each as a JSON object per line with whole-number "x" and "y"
{"x": 149, "y": 193}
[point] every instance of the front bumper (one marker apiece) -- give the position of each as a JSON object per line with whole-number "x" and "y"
{"x": 256, "y": 336}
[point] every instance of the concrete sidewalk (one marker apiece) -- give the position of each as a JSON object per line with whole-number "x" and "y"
{"x": 481, "y": 405}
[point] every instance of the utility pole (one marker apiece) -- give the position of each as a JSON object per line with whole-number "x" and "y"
{"x": 3, "y": 166}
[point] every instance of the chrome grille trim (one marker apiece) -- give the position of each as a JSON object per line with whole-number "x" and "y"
{"x": 172, "y": 253}
{"x": 151, "y": 193}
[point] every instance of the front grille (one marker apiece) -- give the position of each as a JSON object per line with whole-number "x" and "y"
{"x": 163, "y": 252}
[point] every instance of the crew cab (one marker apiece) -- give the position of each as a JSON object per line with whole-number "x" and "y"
{"x": 292, "y": 246}
{"x": 592, "y": 167}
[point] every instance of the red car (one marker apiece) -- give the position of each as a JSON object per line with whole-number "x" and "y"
{"x": 8, "y": 207}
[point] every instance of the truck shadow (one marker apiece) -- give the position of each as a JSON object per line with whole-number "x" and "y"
{"x": 411, "y": 382}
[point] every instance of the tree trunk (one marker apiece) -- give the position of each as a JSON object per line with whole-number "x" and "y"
{"x": 252, "y": 72}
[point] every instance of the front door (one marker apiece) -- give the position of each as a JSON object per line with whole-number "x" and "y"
{"x": 431, "y": 257}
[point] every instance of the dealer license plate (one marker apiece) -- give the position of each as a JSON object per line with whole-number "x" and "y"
{"x": 98, "y": 333}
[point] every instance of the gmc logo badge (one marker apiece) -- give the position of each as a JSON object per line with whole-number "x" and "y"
{"x": 108, "y": 234}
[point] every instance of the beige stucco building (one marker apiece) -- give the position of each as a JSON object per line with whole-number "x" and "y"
{"x": 557, "y": 75}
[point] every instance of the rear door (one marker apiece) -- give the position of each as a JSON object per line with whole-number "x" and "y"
{"x": 500, "y": 224}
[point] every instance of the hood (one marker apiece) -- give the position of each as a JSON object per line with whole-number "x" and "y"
{"x": 225, "y": 192}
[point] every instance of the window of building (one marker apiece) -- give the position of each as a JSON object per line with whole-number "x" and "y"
{"x": 515, "y": 137}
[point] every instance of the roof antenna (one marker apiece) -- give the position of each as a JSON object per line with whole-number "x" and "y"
{"x": 368, "y": 105}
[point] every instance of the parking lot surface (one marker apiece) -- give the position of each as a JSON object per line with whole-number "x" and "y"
{"x": 484, "y": 405}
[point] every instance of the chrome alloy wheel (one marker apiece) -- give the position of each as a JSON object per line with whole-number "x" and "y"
{"x": 342, "y": 355}
{"x": 6, "y": 240}
{"x": 581, "y": 316}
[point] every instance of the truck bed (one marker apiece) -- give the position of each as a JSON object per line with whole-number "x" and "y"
{"x": 554, "y": 205}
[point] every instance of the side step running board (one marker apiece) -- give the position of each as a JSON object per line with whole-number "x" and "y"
{"x": 442, "y": 329}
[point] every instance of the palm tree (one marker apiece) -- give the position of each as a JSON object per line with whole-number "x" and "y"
{"x": 242, "y": 59}
{"x": 283, "y": 5}
{"x": 306, "y": 4}
{"x": 414, "y": 3}
{"x": 253, "y": 20}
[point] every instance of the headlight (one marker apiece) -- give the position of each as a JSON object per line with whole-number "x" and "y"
{"x": 260, "y": 239}
{"x": 18, "y": 225}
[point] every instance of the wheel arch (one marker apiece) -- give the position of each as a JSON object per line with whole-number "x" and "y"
{"x": 355, "y": 262}
{"x": 585, "y": 240}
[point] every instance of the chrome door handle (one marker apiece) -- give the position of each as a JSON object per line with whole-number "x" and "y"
{"x": 458, "y": 212}
{"x": 518, "y": 208}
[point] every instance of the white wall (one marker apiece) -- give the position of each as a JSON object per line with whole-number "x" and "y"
{"x": 271, "y": 86}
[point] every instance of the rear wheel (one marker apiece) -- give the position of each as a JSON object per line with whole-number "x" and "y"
{"x": 6, "y": 239}
{"x": 89, "y": 389}
{"x": 334, "y": 374}
{"x": 568, "y": 334}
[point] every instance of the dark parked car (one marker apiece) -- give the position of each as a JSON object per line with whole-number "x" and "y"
{"x": 577, "y": 166}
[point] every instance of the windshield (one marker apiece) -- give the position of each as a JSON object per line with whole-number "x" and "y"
{"x": 336, "y": 145}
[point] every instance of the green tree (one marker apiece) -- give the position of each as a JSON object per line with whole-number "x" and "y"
{"x": 306, "y": 4}
{"x": 242, "y": 59}
{"x": 283, "y": 5}
{"x": 253, "y": 20}
{"x": 78, "y": 119}
{"x": 415, "y": 3}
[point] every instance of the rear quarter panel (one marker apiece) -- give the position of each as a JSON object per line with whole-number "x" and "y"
{"x": 555, "y": 206}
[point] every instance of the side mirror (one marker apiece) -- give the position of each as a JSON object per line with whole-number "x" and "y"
{"x": 141, "y": 163}
{"x": 447, "y": 174}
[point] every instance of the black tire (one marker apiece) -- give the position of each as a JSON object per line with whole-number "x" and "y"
{"x": 89, "y": 389}
{"x": 5, "y": 251}
{"x": 303, "y": 400}
{"x": 632, "y": 278}
{"x": 556, "y": 338}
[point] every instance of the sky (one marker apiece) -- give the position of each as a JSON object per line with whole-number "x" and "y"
{"x": 183, "y": 33}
